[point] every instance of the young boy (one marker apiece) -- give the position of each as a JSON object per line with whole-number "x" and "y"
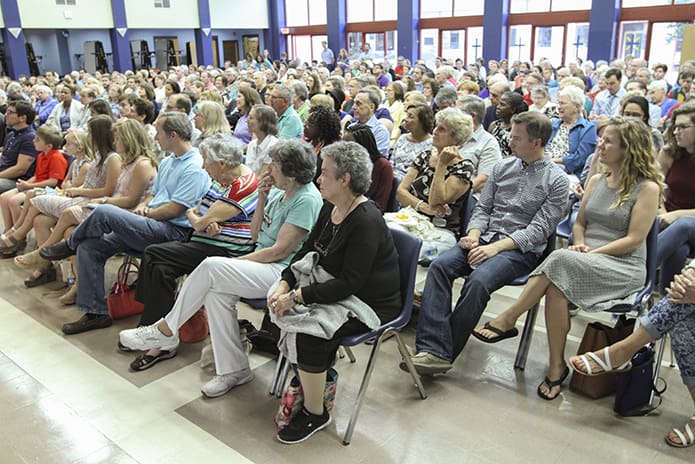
{"x": 51, "y": 167}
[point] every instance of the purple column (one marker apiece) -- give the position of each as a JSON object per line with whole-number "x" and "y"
{"x": 408, "y": 32}
{"x": 495, "y": 21}
{"x": 273, "y": 40}
{"x": 203, "y": 36}
{"x": 603, "y": 23}
{"x": 120, "y": 43}
{"x": 335, "y": 27}
{"x": 13, "y": 39}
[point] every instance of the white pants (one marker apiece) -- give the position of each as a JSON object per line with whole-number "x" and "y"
{"x": 218, "y": 283}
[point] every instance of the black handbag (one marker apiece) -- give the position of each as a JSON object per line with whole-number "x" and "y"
{"x": 634, "y": 388}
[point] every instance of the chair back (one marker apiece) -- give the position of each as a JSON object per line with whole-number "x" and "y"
{"x": 393, "y": 206}
{"x": 549, "y": 247}
{"x": 408, "y": 249}
{"x": 564, "y": 228}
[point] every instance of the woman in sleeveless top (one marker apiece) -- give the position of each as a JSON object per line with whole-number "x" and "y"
{"x": 606, "y": 265}
{"x": 133, "y": 186}
{"x": 677, "y": 219}
{"x": 100, "y": 180}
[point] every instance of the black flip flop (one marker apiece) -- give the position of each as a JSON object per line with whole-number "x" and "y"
{"x": 511, "y": 333}
{"x": 145, "y": 361}
{"x": 551, "y": 384}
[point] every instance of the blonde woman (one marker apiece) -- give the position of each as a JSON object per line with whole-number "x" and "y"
{"x": 133, "y": 186}
{"x": 209, "y": 119}
{"x": 616, "y": 214}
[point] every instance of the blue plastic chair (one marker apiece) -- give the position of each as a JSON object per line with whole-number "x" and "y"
{"x": 393, "y": 206}
{"x": 564, "y": 228}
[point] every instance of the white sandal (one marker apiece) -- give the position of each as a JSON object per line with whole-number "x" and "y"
{"x": 685, "y": 442}
{"x": 606, "y": 367}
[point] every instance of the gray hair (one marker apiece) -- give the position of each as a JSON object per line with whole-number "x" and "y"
{"x": 460, "y": 124}
{"x": 658, "y": 85}
{"x": 575, "y": 94}
{"x": 446, "y": 96}
{"x": 300, "y": 90}
{"x": 473, "y": 105}
{"x": 351, "y": 158}
{"x": 297, "y": 159}
{"x": 373, "y": 97}
{"x": 176, "y": 122}
{"x": 222, "y": 148}
{"x": 542, "y": 90}
{"x": 285, "y": 93}
{"x": 43, "y": 88}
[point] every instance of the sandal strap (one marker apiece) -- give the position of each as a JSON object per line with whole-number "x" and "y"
{"x": 587, "y": 364}
{"x": 685, "y": 441}
{"x": 606, "y": 366}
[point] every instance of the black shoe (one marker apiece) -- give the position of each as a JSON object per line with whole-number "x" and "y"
{"x": 303, "y": 425}
{"x": 56, "y": 252}
{"x": 46, "y": 275}
{"x": 86, "y": 323}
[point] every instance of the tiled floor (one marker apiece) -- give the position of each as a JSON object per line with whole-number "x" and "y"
{"x": 73, "y": 400}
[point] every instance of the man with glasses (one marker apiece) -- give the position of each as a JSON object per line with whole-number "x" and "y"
{"x": 289, "y": 123}
{"x": 18, "y": 152}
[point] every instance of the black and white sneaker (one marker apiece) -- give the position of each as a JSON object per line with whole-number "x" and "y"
{"x": 303, "y": 425}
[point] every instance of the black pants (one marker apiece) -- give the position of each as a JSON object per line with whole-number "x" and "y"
{"x": 161, "y": 265}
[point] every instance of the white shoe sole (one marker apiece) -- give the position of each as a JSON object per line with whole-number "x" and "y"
{"x": 243, "y": 381}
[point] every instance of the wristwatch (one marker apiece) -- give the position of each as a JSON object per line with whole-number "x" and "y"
{"x": 293, "y": 295}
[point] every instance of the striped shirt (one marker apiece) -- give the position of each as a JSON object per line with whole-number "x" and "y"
{"x": 524, "y": 202}
{"x": 236, "y": 231}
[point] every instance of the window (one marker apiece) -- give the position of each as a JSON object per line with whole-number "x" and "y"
{"x": 453, "y": 44}
{"x": 162, "y": 4}
{"x": 631, "y": 3}
{"x": 305, "y": 12}
{"x": 549, "y": 41}
{"x": 447, "y": 8}
{"x": 529, "y": 6}
{"x": 568, "y": 5}
{"x": 469, "y": 7}
{"x": 520, "y": 42}
{"x": 362, "y": 11}
{"x": 429, "y": 46}
{"x": 67, "y": 2}
{"x": 633, "y": 39}
{"x": 475, "y": 44}
{"x": 666, "y": 44}
{"x": 576, "y": 42}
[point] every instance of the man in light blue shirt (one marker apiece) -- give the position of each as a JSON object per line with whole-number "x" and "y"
{"x": 327, "y": 55}
{"x": 179, "y": 185}
{"x": 289, "y": 123}
{"x": 607, "y": 102}
{"x": 366, "y": 103}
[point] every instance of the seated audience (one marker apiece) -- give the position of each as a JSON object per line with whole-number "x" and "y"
{"x": 635, "y": 106}
{"x": 510, "y": 103}
{"x": 418, "y": 124}
{"x": 482, "y": 148}
{"x": 263, "y": 125}
{"x": 245, "y": 100}
{"x": 617, "y": 212}
{"x": 18, "y": 152}
{"x": 289, "y": 122}
{"x": 366, "y": 102}
{"x": 322, "y": 128}
{"x": 69, "y": 113}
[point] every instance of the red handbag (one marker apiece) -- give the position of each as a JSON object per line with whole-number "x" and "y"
{"x": 121, "y": 300}
{"x": 196, "y": 328}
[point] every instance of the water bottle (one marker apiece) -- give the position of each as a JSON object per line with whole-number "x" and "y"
{"x": 431, "y": 252}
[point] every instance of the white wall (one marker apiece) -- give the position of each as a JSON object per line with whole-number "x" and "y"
{"x": 45, "y": 14}
{"x": 183, "y": 14}
{"x": 2, "y": 18}
{"x": 239, "y": 14}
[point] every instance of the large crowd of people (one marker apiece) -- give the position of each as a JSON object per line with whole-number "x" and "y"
{"x": 256, "y": 178}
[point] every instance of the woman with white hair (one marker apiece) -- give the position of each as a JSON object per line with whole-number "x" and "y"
{"x": 44, "y": 103}
{"x": 540, "y": 96}
{"x": 657, "y": 92}
{"x": 573, "y": 138}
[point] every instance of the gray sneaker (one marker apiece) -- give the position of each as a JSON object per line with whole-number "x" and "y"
{"x": 429, "y": 364}
{"x": 221, "y": 384}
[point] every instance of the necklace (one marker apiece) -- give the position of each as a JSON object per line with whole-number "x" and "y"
{"x": 336, "y": 212}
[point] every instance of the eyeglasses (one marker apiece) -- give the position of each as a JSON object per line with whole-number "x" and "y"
{"x": 682, "y": 126}
{"x": 10, "y": 112}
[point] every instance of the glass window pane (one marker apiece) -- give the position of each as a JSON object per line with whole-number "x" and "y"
{"x": 354, "y": 44}
{"x": 567, "y": 5}
{"x": 520, "y": 42}
{"x": 385, "y": 10}
{"x": 549, "y": 42}
{"x": 316, "y": 46}
{"x": 296, "y": 13}
{"x": 360, "y": 11}
{"x": 469, "y": 7}
{"x": 683, "y": 2}
{"x": 526, "y": 6}
{"x": 667, "y": 40}
{"x": 631, "y": 3}
{"x": 633, "y": 38}
{"x": 429, "y": 46}
{"x": 435, "y": 9}
{"x": 376, "y": 45}
{"x": 577, "y": 41}
{"x": 454, "y": 45}
{"x": 475, "y": 44}
{"x": 301, "y": 47}
{"x": 391, "y": 46}
{"x": 317, "y": 12}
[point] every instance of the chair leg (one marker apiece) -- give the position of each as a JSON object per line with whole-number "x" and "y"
{"x": 657, "y": 367}
{"x": 279, "y": 366}
{"x": 672, "y": 363}
{"x": 411, "y": 368}
{"x": 350, "y": 354}
{"x": 526, "y": 337}
{"x": 283, "y": 378}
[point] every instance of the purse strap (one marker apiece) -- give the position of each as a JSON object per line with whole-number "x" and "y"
{"x": 128, "y": 267}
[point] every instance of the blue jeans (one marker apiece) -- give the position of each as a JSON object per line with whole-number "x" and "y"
{"x": 679, "y": 320}
{"x": 107, "y": 231}
{"x": 444, "y": 333}
{"x": 674, "y": 245}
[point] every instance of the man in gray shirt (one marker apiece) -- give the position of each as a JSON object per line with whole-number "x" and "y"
{"x": 482, "y": 148}
{"x": 518, "y": 210}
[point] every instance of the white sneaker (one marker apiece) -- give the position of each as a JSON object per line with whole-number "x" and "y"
{"x": 148, "y": 337}
{"x": 221, "y": 384}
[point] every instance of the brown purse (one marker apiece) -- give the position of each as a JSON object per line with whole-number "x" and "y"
{"x": 596, "y": 336}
